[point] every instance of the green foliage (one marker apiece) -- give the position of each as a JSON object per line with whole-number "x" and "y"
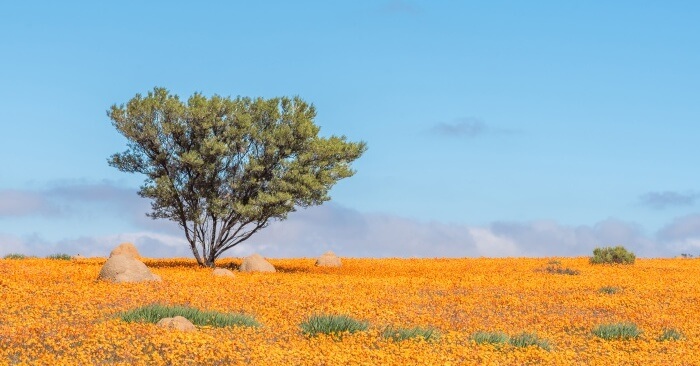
{"x": 60, "y": 256}
{"x": 18, "y": 256}
{"x": 400, "y": 334}
{"x": 610, "y": 290}
{"x": 616, "y": 255}
{"x": 224, "y": 168}
{"x": 334, "y": 325}
{"x": 528, "y": 340}
{"x": 562, "y": 270}
{"x": 155, "y": 312}
{"x": 482, "y": 337}
{"x": 670, "y": 334}
{"x": 617, "y": 331}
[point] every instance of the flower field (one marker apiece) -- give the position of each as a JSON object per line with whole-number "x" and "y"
{"x": 55, "y": 312}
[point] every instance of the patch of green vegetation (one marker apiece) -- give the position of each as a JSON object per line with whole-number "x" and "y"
{"x": 609, "y": 255}
{"x": 334, "y": 325}
{"x": 18, "y": 256}
{"x": 529, "y": 340}
{"x": 60, "y": 256}
{"x": 610, "y": 290}
{"x": 562, "y": 270}
{"x": 155, "y": 312}
{"x": 617, "y": 331}
{"x": 482, "y": 337}
{"x": 670, "y": 334}
{"x": 401, "y": 334}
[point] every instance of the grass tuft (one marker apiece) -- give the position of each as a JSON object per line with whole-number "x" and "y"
{"x": 60, "y": 256}
{"x": 609, "y": 290}
{"x": 529, "y": 340}
{"x": 401, "y": 334}
{"x": 155, "y": 312}
{"x": 670, "y": 334}
{"x": 482, "y": 337}
{"x": 617, "y": 331}
{"x": 334, "y": 325}
{"x": 562, "y": 270}
{"x": 18, "y": 256}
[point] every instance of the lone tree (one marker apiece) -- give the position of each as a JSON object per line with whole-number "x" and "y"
{"x": 225, "y": 168}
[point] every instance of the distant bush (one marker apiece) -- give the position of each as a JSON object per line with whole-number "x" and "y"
{"x": 670, "y": 334}
{"x": 334, "y": 325}
{"x": 61, "y": 256}
{"x": 617, "y": 331}
{"x": 618, "y": 255}
{"x": 400, "y": 334}
{"x": 562, "y": 270}
{"x": 609, "y": 290}
{"x": 18, "y": 256}
{"x": 155, "y": 312}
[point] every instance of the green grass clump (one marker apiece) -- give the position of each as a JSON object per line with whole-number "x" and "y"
{"x": 400, "y": 334}
{"x": 528, "y": 340}
{"x": 608, "y": 290}
{"x": 482, "y": 337}
{"x": 60, "y": 256}
{"x": 561, "y": 270}
{"x": 670, "y": 334}
{"x": 609, "y": 255}
{"x": 155, "y": 312}
{"x": 331, "y": 324}
{"x": 617, "y": 331}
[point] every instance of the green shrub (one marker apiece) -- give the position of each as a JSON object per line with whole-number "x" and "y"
{"x": 529, "y": 339}
{"x": 60, "y": 256}
{"x": 608, "y": 290}
{"x": 18, "y": 256}
{"x": 155, "y": 312}
{"x": 617, "y": 331}
{"x": 618, "y": 255}
{"x": 670, "y": 334}
{"x": 331, "y": 324}
{"x": 562, "y": 270}
{"x": 482, "y": 337}
{"x": 400, "y": 334}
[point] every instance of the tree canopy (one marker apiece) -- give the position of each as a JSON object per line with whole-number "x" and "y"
{"x": 224, "y": 168}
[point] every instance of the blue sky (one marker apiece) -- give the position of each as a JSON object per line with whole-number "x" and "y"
{"x": 497, "y": 128}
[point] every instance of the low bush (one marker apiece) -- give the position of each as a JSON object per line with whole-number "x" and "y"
{"x": 400, "y": 334}
{"x": 610, "y": 255}
{"x": 18, "y": 256}
{"x": 334, "y": 325}
{"x": 562, "y": 270}
{"x": 609, "y": 290}
{"x": 60, "y": 256}
{"x": 155, "y": 312}
{"x": 617, "y": 331}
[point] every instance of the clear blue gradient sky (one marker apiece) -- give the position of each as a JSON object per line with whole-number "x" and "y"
{"x": 500, "y": 128}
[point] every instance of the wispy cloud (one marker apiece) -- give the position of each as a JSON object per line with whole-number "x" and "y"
{"x": 15, "y": 203}
{"x": 662, "y": 200}
{"x": 465, "y": 127}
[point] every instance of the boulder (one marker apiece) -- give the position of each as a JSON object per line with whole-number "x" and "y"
{"x": 126, "y": 249}
{"x": 328, "y": 259}
{"x": 123, "y": 268}
{"x": 177, "y": 323}
{"x": 222, "y": 272}
{"x": 256, "y": 263}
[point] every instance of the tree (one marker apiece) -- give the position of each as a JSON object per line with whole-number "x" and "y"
{"x": 224, "y": 168}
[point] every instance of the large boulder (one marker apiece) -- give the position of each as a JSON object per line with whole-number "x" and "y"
{"x": 177, "y": 323}
{"x": 256, "y": 263}
{"x": 222, "y": 272}
{"x": 123, "y": 268}
{"x": 126, "y": 249}
{"x": 328, "y": 259}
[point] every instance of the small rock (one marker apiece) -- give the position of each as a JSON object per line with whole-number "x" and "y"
{"x": 222, "y": 272}
{"x": 328, "y": 259}
{"x": 177, "y": 323}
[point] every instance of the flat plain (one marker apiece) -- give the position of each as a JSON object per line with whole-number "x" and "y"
{"x": 56, "y": 312}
